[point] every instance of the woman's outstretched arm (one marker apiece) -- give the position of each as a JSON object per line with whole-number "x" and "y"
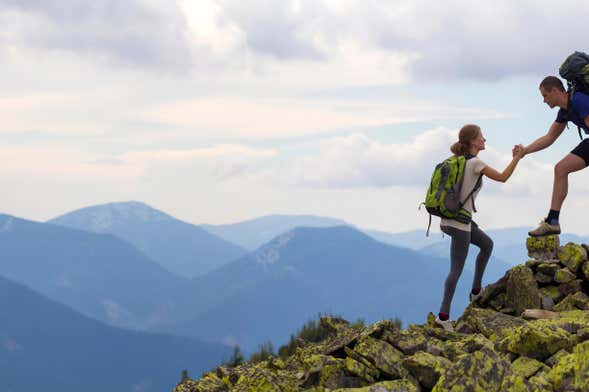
{"x": 518, "y": 152}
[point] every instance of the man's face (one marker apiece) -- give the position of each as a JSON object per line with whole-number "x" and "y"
{"x": 549, "y": 96}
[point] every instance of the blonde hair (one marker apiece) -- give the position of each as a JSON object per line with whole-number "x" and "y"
{"x": 467, "y": 134}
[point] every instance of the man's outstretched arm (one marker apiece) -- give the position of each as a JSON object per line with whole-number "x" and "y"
{"x": 544, "y": 141}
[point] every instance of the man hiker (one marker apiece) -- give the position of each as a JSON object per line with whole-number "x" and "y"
{"x": 575, "y": 109}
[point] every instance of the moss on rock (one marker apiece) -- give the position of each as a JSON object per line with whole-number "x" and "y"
{"x": 527, "y": 367}
{"x": 483, "y": 370}
{"x": 543, "y": 248}
{"x": 382, "y": 355}
{"x": 572, "y": 255}
{"x": 537, "y": 339}
{"x": 522, "y": 290}
{"x": 427, "y": 368}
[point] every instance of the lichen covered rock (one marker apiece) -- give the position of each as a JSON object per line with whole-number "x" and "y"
{"x": 528, "y": 332}
{"x": 483, "y": 370}
{"x": 572, "y": 256}
{"x": 538, "y": 339}
{"x": 543, "y": 248}
{"x": 522, "y": 289}
{"x": 427, "y": 368}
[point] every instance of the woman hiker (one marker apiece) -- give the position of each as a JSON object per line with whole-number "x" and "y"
{"x": 470, "y": 142}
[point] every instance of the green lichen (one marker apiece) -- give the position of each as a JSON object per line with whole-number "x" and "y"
{"x": 382, "y": 355}
{"x": 527, "y": 367}
{"x": 483, "y": 370}
{"x": 572, "y": 255}
{"x": 427, "y": 368}
{"x": 515, "y": 383}
{"x": 553, "y": 292}
{"x": 522, "y": 289}
{"x": 548, "y": 268}
{"x": 384, "y": 386}
{"x": 408, "y": 342}
{"x": 564, "y": 275}
{"x": 538, "y": 339}
{"x": 542, "y": 248}
{"x": 368, "y": 373}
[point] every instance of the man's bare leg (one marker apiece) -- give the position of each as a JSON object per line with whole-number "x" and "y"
{"x": 569, "y": 164}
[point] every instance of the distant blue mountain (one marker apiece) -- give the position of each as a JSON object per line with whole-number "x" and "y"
{"x": 415, "y": 239}
{"x": 99, "y": 275}
{"x": 180, "y": 247}
{"x": 252, "y": 234}
{"x": 45, "y": 346}
{"x": 265, "y": 295}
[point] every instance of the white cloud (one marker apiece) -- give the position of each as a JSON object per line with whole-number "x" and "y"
{"x": 452, "y": 39}
{"x": 150, "y": 33}
{"x": 220, "y": 161}
{"x": 255, "y": 118}
{"x": 356, "y": 161}
{"x": 224, "y": 160}
{"x": 378, "y": 40}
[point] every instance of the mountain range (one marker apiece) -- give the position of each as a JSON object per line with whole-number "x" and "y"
{"x": 99, "y": 275}
{"x": 48, "y": 346}
{"x": 182, "y": 248}
{"x": 252, "y": 234}
{"x": 130, "y": 265}
{"x": 306, "y": 271}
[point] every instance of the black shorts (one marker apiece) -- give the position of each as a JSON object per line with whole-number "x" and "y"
{"x": 582, "y": 150}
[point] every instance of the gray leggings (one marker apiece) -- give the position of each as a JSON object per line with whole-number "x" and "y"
{"x": 458, "y": 252}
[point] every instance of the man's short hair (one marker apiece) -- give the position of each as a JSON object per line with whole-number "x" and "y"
{"x": 551, "y": 82}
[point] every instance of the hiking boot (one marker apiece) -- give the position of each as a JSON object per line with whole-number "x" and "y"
{"x": 447, "y": 325}
{"x": 545, "y": 229}
{"x": 475, "y": 297}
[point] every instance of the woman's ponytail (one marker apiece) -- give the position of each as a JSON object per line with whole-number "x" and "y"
{"x": 458, "y": 149}
{"x": 466, "y": 135}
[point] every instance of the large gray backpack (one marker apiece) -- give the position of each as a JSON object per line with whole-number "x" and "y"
{"x": 575, "y": 69}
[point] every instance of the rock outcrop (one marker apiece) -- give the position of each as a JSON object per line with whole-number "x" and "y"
{"x": 527, "y": 332}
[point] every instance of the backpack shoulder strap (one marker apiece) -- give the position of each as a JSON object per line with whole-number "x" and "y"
{"x": 476, "y": 186}
{"x": 571, "y": 108}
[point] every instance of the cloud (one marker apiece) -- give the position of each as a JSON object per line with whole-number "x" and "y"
{"x": 150, "y": 33}
{"x": 445, "y": 40}
{"x": 357, "y": 161}
{"x": 255, "y": 118}
{"x": 224, "y": 160}
{"x": 377, "y": 41}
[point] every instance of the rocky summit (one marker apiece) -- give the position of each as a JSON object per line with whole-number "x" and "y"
{"x": 529, "y": 331}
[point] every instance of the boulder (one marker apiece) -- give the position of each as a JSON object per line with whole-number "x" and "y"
{"x": 483, "y": 370}
{"x": 564, "y": 275}
{"x": 537, "y": 339}
{"x": 427, "y": 368}
{"x": 382, "y": 355}
{"x": 543, "y": 248}
{"x": 522, "y": 290}
{"x": 573, "y": 256}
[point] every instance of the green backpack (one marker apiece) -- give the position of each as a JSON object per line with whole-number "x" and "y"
{"x": 443, "y": 195}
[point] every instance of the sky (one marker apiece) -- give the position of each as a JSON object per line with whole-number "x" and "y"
{"x": 218, "y": 111}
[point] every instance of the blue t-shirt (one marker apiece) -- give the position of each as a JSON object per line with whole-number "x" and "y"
{"x": 580, "y": 104}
